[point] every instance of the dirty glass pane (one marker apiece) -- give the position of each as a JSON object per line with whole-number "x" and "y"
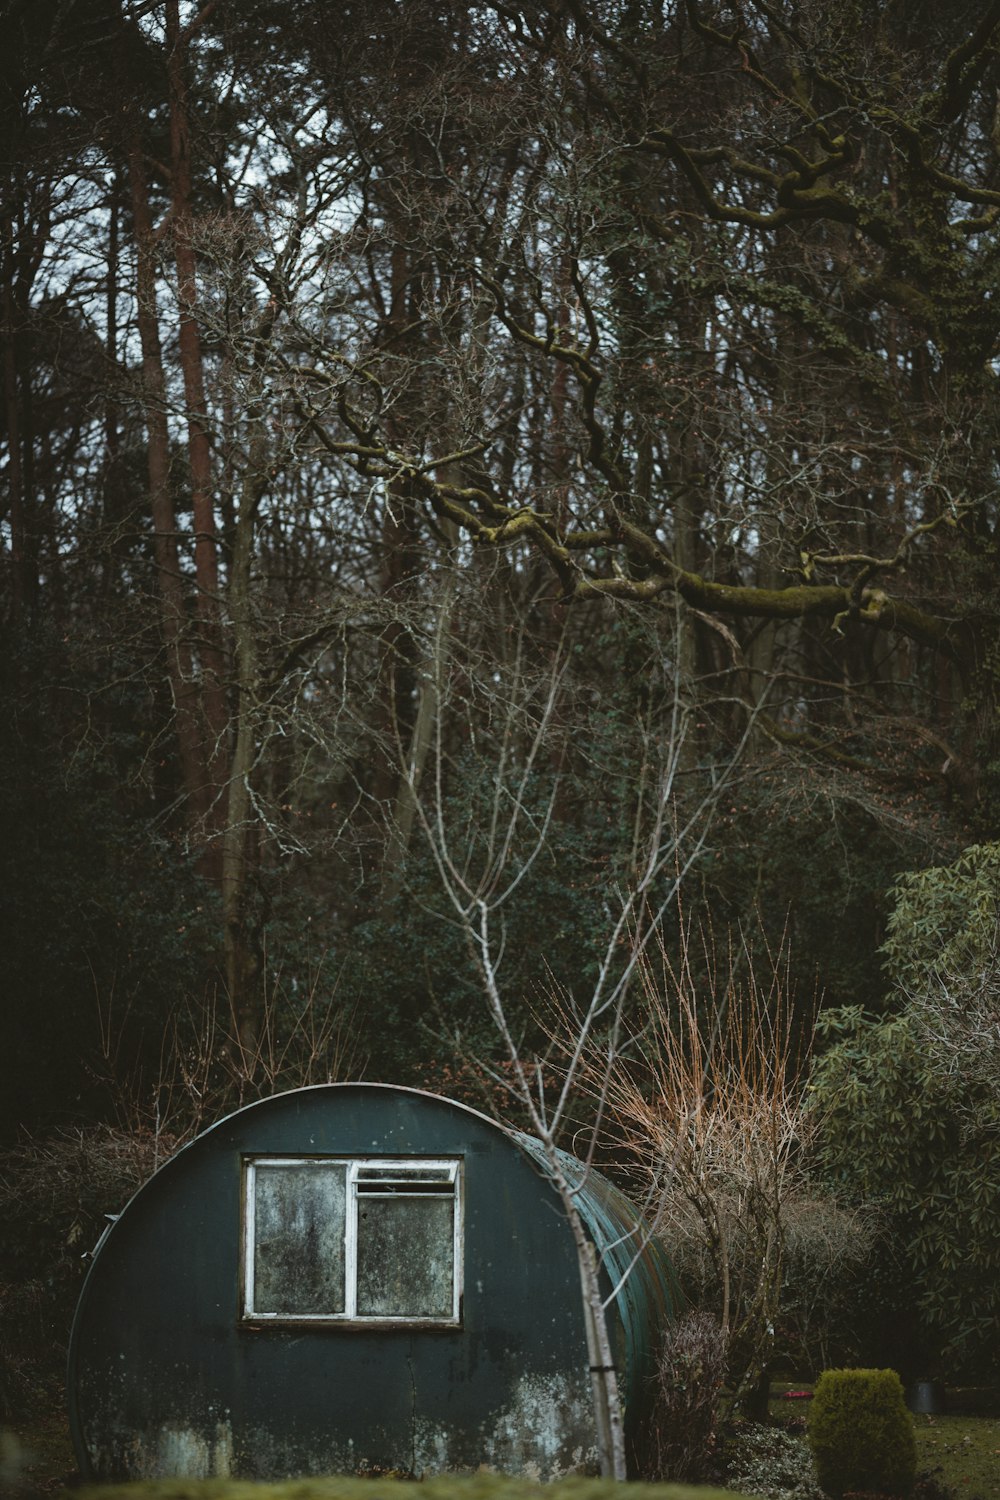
{"x": 408, "y": 1183}
{"x": 376, "y": 1179}
{"x": 406, "y": 1257}
{"x": 298, "y": 1266}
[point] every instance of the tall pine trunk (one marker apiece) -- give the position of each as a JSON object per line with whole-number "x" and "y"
{"x": 170, "y": 584}
{"x": 208, "y": 643}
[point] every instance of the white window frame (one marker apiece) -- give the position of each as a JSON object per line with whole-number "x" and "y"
{"x": 432, "y": 1168}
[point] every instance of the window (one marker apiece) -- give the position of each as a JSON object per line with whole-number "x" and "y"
{"x": 361, "y": 1240}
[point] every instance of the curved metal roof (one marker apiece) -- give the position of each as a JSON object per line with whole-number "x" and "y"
{"x": 639, "y": 1274}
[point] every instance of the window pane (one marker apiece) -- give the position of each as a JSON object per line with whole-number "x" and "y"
{"x": 299, "y": 1238}
{"x": 406, "y": 1257}
{"x": 374, "y": 1176}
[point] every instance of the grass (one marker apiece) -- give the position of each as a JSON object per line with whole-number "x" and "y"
{"x": 962, "y": 1453}
{"x": 480, "y": 1486}
{"x": 38, "y": 1463}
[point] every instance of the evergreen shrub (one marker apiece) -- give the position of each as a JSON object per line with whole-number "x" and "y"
{"x": 861, "y": 1434}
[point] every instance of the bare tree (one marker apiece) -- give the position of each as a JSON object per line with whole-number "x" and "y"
{"x": 484, "y": 863}
{"x": 706, "y": 1103}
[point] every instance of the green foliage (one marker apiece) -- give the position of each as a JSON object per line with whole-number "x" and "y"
{"x": 908, "y": 1108}
{"x": 861, "y": 1434}
{"x": 104, "y": 922}
{"x": 765, "y": 1461}
{"x": 945, "y": 918}
{"x": 898, "y": 1132}
{"x": 411, "y": 953}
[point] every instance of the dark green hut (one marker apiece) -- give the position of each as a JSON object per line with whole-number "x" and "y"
{"x": 354, "y": 1278}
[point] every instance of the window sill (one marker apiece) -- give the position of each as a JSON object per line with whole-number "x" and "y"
{"x": 256, "y": 1323}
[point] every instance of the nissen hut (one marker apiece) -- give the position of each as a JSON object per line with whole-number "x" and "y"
{"x": 355, "y": 1278}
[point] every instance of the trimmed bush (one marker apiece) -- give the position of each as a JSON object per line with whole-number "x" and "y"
{"x": 861, "y": 1434}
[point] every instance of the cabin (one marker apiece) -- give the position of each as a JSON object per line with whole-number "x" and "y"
{"x": 359, "y": 1279}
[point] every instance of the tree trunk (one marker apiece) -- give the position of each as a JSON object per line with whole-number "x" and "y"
{"x": 22, "y": 589}
{"x": 424, "y": 724}
{"x": 401, "y": 534}
{"x": 209, "y": 649}
{"x": 173, "y": 614}
{"x": 240, "y": 842}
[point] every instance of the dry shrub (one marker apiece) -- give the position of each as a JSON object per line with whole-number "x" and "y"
{"x": 828, "y": 1250}
{"x": 23, "y": 1331}
{"x": 699, "y": 1095}
{"x": 210, "y": 1065}
{"x": 690, "y": 1371}
{"x": 54, "y": 1196}
{"x": 706, "y": 1101}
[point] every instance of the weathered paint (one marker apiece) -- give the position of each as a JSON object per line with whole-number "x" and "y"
{"x": 634, "y": 1261}
{"x": 528, "y": 1435}
{"x": 190, "y": 1455}
{"x": 168, "y": 1377}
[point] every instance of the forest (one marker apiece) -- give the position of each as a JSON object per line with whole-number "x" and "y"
{"x": 499, "y": 571}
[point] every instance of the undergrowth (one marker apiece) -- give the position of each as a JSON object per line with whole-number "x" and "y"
{"x": 481, "y": 1486}
{"x": 771, "y": 1463}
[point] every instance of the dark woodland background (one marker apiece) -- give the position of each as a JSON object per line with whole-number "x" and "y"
{"x": 509, "y": 465}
